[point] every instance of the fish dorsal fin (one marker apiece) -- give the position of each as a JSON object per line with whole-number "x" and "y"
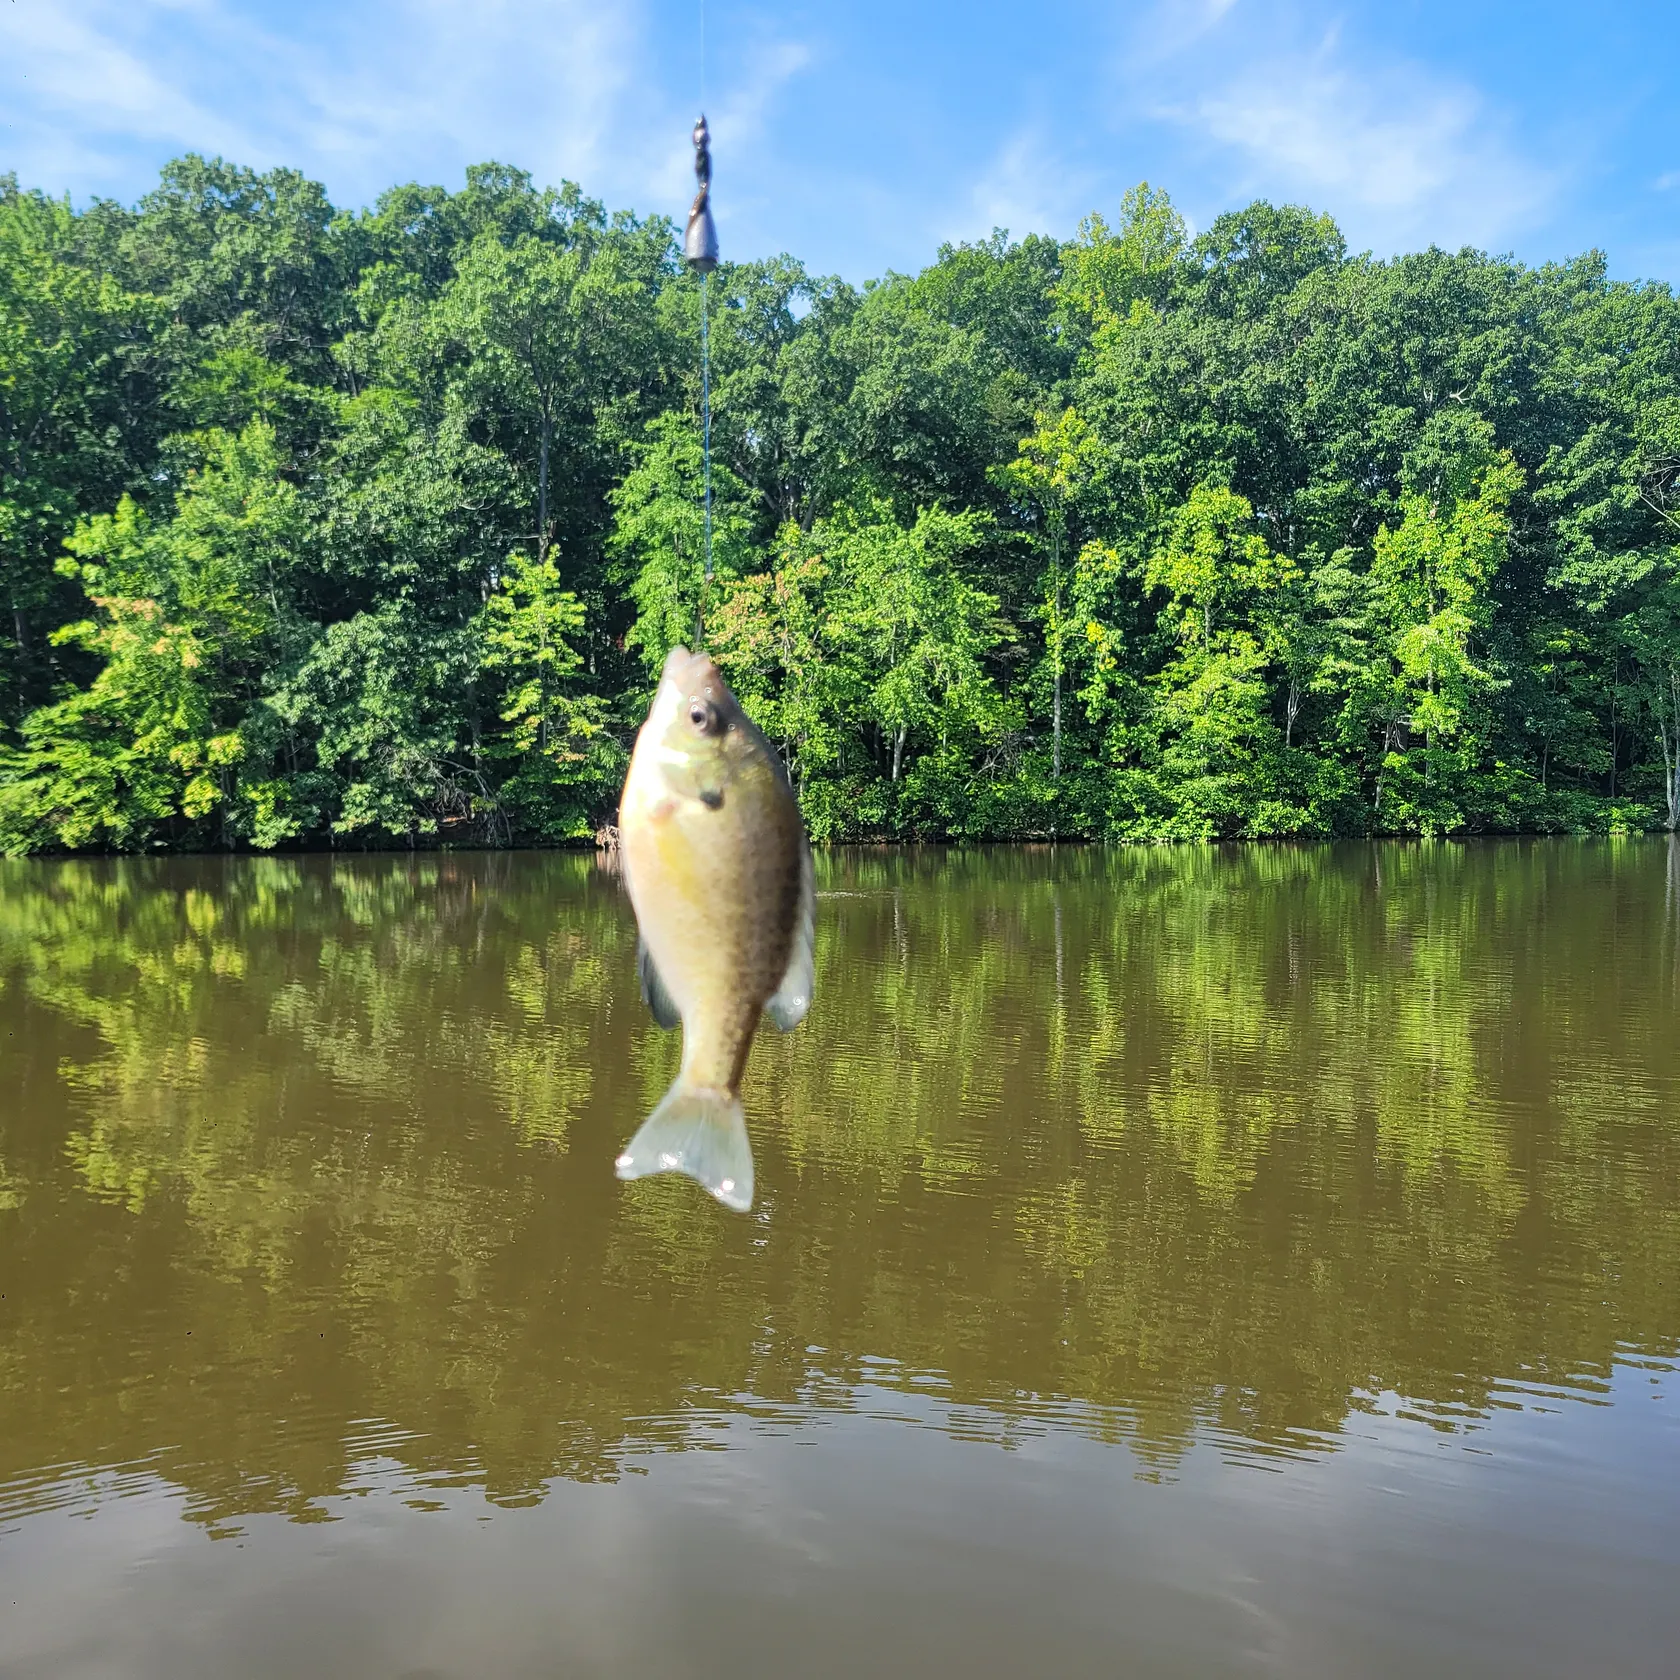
{"x": 793, "y": 997}
{"x": 654, "y": 994}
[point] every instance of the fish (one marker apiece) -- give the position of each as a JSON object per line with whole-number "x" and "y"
{"x": 714, "y": 853}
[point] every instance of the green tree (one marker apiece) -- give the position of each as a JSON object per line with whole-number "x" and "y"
{"x": 190, "y": 613}
{"x": 1108, "y": 272}
{"x": 916, "y": 631}
{"x": 658, "y": 536}
{"x": 69, "y": 338}
{"x": 1224, "y": 585}
{"x": 1430, "y": 581}
{"x": 561, "y": 758}
{"x": 1050, "y": 469}
{"x": 1138, "y": 534}
{"x": 548, "y": 332}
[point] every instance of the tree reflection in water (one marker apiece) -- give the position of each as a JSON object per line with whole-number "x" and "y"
{"x": 1144, "y": 1143}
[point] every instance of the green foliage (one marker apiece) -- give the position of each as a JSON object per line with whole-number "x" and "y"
{"x": 371, "y": 529}
{"x": 188, "y": 617}
{"x": 865, "y": 654}
{"x": 70, "y": 339}
{"x": 1108, "y": 272}
{"x": 562, "y": 760}
{"x": 659, "y": 535}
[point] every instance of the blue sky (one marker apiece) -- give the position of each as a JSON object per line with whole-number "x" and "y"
{"x": 859, "y": 136}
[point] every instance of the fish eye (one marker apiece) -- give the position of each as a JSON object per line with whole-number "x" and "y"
{"x": 702, "y": 716}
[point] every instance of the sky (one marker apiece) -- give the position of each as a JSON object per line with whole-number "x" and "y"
{"x": 861, "y": 134}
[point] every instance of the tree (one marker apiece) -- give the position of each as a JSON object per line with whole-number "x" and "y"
{"x": 1225, "y": 588}
{"x": 189, "y": 614}
{"x": 1652, "y": 633}
{"x": 1430, "y": 581}
{"x": 1050, "y": 469}
{"x": 549, "y": 333}
{"x": 380, "y": 523}
{"x": 658, "y": 536}
{"x": 770, "y": 633}
{"x": 69, "y": 336}
{"x": 916, "y": 632}
{"x": 562, "y": 759}
{"x": 1107, "y": 272}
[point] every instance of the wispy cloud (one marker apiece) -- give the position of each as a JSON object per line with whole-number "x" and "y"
{"x": 741, "y": 118}
{"x": 1411, "y": 158}
{"x": 856, "y": 146}
{"x": 361, "y": 95}
{"x": 549, "y": 84}
{"x": 1171, "y": 27}
{"x": 1027, "y": 186}
{"x": 74, "y": 87}
{"x": 1399, "y": 151}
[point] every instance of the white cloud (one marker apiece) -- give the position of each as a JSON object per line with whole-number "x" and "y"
{"x": 1410, "y": 157}
{"x": 547, "y": 86}
{"x": 1027, "y": 187}
{"x": 69, "y": 82}
{"x": 1173, "y": 26}
{"x": 1399, "y": 152}
{"x": 96, "y": 94}
{"x": 889, "y": 149}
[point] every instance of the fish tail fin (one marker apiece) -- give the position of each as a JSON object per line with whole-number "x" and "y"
{"x": 699, "y": 1130}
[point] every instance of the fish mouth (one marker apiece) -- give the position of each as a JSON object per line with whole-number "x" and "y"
{"x": 712, "y": 798}
{"x": 689, "y": 671}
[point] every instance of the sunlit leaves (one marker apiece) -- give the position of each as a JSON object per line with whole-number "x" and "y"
{"x": 1139, "y": 535}
{"x": 564, "y": 761}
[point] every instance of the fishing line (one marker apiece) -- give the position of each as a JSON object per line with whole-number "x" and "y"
{"x": 705, "y": 347}
{"x": 706, "y": 414}
{"x": 700, "y": 249}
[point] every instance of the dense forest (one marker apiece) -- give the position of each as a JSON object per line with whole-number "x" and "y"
{"x": 372, "y": 528}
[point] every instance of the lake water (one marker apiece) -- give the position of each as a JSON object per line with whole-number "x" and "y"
{"x": 1167, "y": 1262}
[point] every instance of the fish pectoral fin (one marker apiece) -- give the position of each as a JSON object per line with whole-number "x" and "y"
{"x": 793, "y": 997}
{"x": 654, "y": 994}
{"x": 700, "y": 1131}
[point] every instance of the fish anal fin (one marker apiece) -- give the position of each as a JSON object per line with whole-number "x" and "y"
{"x": 701, "y": 1131}
{"x": 793, "y": 997}
{"x": 654, "y": 995}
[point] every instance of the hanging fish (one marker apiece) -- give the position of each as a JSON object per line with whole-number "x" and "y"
{"x": 713, "y": 851}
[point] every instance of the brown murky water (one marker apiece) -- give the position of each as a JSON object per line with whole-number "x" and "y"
{"x": 1167, "y": 1262}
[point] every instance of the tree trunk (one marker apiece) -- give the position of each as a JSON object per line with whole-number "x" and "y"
{"x": 542, "y": 487}
{"x": 1056, "y": 730}
{"x": 541, "y": 604}
{"x": 898, "y": 753}
{"x": 1389, "y": 742}
{"x": 1291, "y": 710}
{"x": 1668, "y": 729}
{"x": 20, "y": 635}
{"x": 1615, "y": 742}
{"x": 1056, "y": 661}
